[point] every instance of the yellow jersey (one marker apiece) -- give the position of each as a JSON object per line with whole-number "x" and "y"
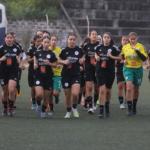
{"x": 56, "y": 71}
{"x": 130, "y": 55}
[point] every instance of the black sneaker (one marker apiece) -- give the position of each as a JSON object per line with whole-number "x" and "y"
{"x": 4, "y": 112}
{"x": 129, "y": 113}
{"x": 134, "y": 111}
{"x": 101, "y": 115}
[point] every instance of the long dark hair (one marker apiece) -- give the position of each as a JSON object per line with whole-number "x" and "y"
{"x": 112, "y": 40}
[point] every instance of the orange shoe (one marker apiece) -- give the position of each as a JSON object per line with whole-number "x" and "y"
{"x": 31, "y": 99}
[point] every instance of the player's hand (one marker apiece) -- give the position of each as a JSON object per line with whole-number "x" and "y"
{"x": 81, "y": 69}
{"x": 59, "y": 66}
{"x": 66, "y": 62}
{"x": 35, "y": 66}
{"x": 95, "y": 64}
{"x": 147, "y": 67}
{"x": 3, "y": 58}
{"x": 22, "y": 67}
{"x": 97, "y": 58}
{"x": 133, "y": 47}
{"x": 81, "y": 60}
{"x": 46, "y": 61}
{"x": 109, "y": 55}
{"x": 125, "y": 62}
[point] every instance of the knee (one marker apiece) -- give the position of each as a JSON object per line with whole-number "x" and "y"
{"x": 75, "y": 95}
{"x": 108, "y": 92}
{"x": 55, "y": 94}
{"x": 129, "y": 90}
{"x": 12, "y": 91}
{"x": 89, "y": 87}
{"x": 38, "y": 96}
{"x": 102, "y": 92}
{"x": 136, "y": 91}
{"x": 120, "y": 87}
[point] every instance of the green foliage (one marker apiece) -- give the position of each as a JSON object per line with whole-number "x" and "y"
{"x": 31, "y": 9}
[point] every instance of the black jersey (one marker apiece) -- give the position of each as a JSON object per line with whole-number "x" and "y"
{"x": 106, "y": 63}
{"x": 11, "y": 54}
{"x": 44, "y": 69}
{"x": 20, "y": 46}
{"x": 120, "y": 63}
{"x": 149, "y": 54}
{"x": 73, "y": 54}
{"x": 40, "y": 47}
{"x": 31, "y": 52}
{"x": 90, "y": 50}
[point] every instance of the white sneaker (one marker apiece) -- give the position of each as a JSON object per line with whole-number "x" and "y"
{"x": 94, "y": 106}
{"x": 91, "y": 111}
{"x": 122, "y": 106}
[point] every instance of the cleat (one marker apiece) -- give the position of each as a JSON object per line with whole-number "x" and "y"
{"x": 85, "y": 108}
{"x": 101, "y": 116}
{"x": 94, "y": 106}
{"x": 51, "y": 112}
{"x": 68, "y": 115}
{"x": 91, "y": 111}
{"x": 10, "y": 113}
{"x": 75, "y": 113}
{"x": 43, "y": 115}
{"x": 122, "y": 106}
{"x": 33, "y": 106}
{"x": 4, "y": 112}
{"x": 38, "y": 110}
{"x": 129, "y": 113}
{"x": 97, "y": 102}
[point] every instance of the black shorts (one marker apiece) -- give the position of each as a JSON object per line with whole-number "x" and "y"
{"x": 45, "y": 82}
{"x": 82, "y": 79}
{"x": 68, "y": 81}
{"x": 11, "y": 74}
{"x": 120, "y": 77}
{"x": 90, "y": 75}
{"x": 105, "y": 79}
{"x": 31, "y": 75}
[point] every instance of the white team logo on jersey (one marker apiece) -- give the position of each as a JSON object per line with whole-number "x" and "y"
{"x": 126, "y": 77}
{"x": 76, "y": 53}
{"x": 48, "y": 56}
{"x": 2, "y": 82}
{"x": 39, "y": 54}
{"x": 66, "y": 84}
{"x": 109, "y": 50}
{"x": 37, "y": 82}
{"x": 15, "y": 49}
{"x": 5, "y": 50}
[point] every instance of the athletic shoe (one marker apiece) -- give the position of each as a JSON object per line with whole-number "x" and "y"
{"x": 122, "y": 106}
{"x": 4, "y": 112}
{"x": 75, "y": 113}
{"x": 19, "y": 94}
{"x": 51, "y": 112}
{"x": 56, "y": 100}
{"x": 129, "y": 113}
{"x": 10, "y": 113}
{"x": 85, "y": 108}
{"x": 83, "y": 102}
{"x": 33, "y": 106}
{"x": 14, "y": 106}
{"x": 38, "y": 110}
{"x": 134, "y": 111}
{"x": 94, "y": 106}
{"x": 68, "y": 115}
{"x": 101, "y": 115}
{"x": 91, "y": 111}
{"x": 43, "y": 115}
{"x": 97, "y": 102}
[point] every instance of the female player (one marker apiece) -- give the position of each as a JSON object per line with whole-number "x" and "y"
{"x": 90, "y": 63}
{"x": 44, "y": 60}
{"x": 10, "y": 61}
{"x": 57, "y": 74}
{"x": 99, "y": 39}
{"x": 105, "y": 55}
{"x": 31, "y": 72}
{"x": 120, "y": 76}
{"x": 71, "y": 58}
{"x": 134, "y": 54}
{"x": 46, "y": 33}
{"x": 40, "y": 33}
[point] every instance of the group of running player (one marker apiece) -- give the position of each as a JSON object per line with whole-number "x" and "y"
{"x": 76, "y": 69}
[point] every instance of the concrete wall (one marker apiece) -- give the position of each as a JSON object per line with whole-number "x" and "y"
{"x": 26, "y": 29}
